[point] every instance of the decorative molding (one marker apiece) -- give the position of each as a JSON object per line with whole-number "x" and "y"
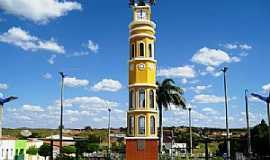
{"x": 143, "y": 59}
{"x": 142, "y": 85}
{"x": 146, "y": 138}
{"x": 142, "y": 35}
{"x": 143, "y": 28}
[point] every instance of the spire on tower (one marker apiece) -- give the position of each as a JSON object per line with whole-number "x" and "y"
{"x": 141, "y": 2}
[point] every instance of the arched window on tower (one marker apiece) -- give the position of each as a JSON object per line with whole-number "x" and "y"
{"x": 152, "y": 99}
{"x": 132, "y": 51}
{"x": 141, "y": 49}
{"x": 150, "y": 50}
{"x": 131, "y": 99}
{"x": 141, "y": 122}
{"x": 142, "y": 98}
{"x": 153, "y": 125}
{"x": 131, "y": 125}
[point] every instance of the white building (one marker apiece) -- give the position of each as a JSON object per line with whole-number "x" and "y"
{"x": 176, "y": 149}
{"x": 7, "y": 149}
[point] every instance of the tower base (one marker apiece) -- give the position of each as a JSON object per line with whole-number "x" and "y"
{"x": 141, "y": 148}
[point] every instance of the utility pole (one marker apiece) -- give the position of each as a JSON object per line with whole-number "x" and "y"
{"x": 61, "y": 115}
{"x": 248, "y": 128}
{"x": 224, "y": 70}
{"x": 190, "y": 130}
{"x": 109, "y": 133}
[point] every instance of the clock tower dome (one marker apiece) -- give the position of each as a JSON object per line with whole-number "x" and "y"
{"x": 142, "y": 116}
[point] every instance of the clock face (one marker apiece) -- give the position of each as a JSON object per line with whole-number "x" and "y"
{"x": 141, "y": 66}
{"x": 141, "y": 15}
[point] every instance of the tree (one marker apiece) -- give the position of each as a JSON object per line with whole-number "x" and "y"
{"x": 69, "y": 150}
{"x": 92, "y": 147}
{"x": 88, "y": 128}
{"x": 168, "y": 93}
{"x": 32, "y": 151}
{"x": 44, "y": 150}
{"x": 259, "y": 139}
{"x": 81, "y": 147}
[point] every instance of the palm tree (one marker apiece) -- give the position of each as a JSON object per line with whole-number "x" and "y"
{"x": 168, "y": 94}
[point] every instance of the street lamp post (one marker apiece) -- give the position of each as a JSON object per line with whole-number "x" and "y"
{"x": 61, "y": 115}
{"x": 267, "y": 101}
{"x": 2, "y": 102}
{"x": 190, "y": 130}
{"x": 109, "y": 133}
{"x": 248, "y": 128}
{"x": 224, "y": 70}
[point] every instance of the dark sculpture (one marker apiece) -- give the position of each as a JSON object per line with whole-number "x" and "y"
{"x": 141, "y": 2}
{"x": 265, "y": 99}
{"x": 5, "y": 100}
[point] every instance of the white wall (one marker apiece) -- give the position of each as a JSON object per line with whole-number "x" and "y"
{"x": 7, "y": 149}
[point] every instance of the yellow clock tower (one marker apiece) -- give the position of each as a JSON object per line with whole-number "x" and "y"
{"x": 142, "y": 117}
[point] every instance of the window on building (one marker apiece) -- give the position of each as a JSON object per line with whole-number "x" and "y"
{"x": 153, "y": 125}
{"x": 141, "y": 122}
{"x": 142, "y": 98}
{"x": 131, "y": 99}
{"x": 131, "y": 125}
{"x": 141, "y": 49}
{"x": 152, "y": 99}
{"x": 132, "y": 51}
{"x": 150, "y": 48}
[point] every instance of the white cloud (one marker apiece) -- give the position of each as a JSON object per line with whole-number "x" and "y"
{"x": 266, "y": 87}
{"x": 237, "y": 46}
{"x": 231, "y": 46}
{"x": 39, "y": 11}
{"x": 200, "y": 88}
{"x": 107, "y": 85}
{"x": 203, "y": 98}
{"x": 24, "y": 40}
{"x": 74, "y": 82}
{"x": 51, "y": 60}
{"x": 32, "y": 108}
{"x": 90, "y": 103}
{"x": 79, "y": 54}
{"x": 47, "y": 76}
{"x": 79, "y": 112}
{"x": 210, "y": 69}
{"x": 92, "y": 46}
{"x": 3, "y": 86}
{"x": 245, "y": 46}
{"x": 211, "y": 57}
{"x": 184, "y": 81}
{"x": 182, "y": 72}
{"x": 235, "y": 59}
{"x": 1, "y": 95}
{"x": 209, "y": 110}
{"x": 24, "y": 118}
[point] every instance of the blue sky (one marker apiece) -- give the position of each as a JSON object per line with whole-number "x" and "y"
{"x": 88, "y": 40}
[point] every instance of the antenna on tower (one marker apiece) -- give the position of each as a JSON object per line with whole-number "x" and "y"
{"x": 152, "y": 2}
{"x": 131, "y": 2}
